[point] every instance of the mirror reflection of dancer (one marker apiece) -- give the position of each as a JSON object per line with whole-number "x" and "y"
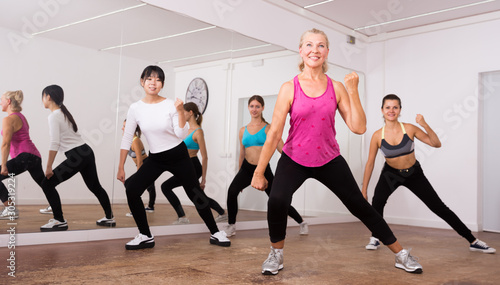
{"x": 163, "y": 124}
{"x": 137, "y": 147}
{"x": 16, "y": 142}
{"x": 195, "y": 142}
{"x": 401, "y": 168}
{"x": 311, "y": 150}
{"x": 252, "y": 138}
{"x": 64, "y": 137}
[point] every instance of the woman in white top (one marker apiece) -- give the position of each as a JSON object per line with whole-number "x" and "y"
{"x": 64, "y": 137}
{"x": 164, "y": 125}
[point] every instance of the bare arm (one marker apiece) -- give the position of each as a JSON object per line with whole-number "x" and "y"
{"x": 430, "y": 137}
{"x": 349, "y": 104}
{"x": 242, "y": 148}
{"x": 199, "y": 138}
{"x": 370, "y": 162}
{"x": 280, "y": 143}
{"x": 281, "y": 109}
{"x": 8, "y": 131}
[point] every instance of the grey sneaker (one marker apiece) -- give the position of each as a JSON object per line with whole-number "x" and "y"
{"x": 481, "y": 246}
{"x": 273, "y": 263}
{"x": 230, "y": 230}
{"x": 407, "y": 262}
{"x": 181, "y": 221}
{"x": 9, "y": 214}
{"x": 47, "y": 210}
{"x": 221, "y": 218}
{"x": 374, "y": 244}
{"x": 304, "y": 229}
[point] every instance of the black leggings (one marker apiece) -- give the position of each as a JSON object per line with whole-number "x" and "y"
{"x": 415, "y": 180}
{"x": 152, "y": 191}
{"x": 176, "y": 161}
{"x": 242, "y": 180}
{"x": 168, "y": 186}
{"x": 79, "y": 159}
{"x": 19, "y": 164}
{"x": 335, "y": 175}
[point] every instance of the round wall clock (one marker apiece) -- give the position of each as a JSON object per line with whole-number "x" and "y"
{"x": 197, "y": 92}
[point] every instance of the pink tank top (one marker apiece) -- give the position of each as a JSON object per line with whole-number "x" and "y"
{"x": 311, "y": 140}
{"x": 21, "y": 141}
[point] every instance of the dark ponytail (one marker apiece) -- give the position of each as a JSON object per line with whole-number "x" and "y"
{"x": 192, "y": 107}
{"x": 56, "y": 93}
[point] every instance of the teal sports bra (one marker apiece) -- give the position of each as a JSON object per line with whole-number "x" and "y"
{"x": 190, "y": 143}
{"x": 257, "y": 139}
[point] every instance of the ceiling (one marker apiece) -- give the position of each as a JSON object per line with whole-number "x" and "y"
{"x": 392, "y": 15}
{"x": 161, "y": 36}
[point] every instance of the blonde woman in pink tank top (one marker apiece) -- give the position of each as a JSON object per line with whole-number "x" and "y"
{"x": 23, "y": 153}
{"x": 311, "y": 150}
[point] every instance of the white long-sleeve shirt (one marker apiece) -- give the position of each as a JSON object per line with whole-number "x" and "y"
{"x": 158, "y": 122}
{"x": 62, "y": 135}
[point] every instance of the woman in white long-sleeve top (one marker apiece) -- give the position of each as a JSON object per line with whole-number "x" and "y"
{"x": 164, "y": 125}
{"x": 80, "y": 158}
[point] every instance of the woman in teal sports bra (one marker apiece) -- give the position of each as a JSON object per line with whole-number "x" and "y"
{"x": 195, "y": 142}
{"x": 396, "y": 141}
{"x": 252, "y": 138}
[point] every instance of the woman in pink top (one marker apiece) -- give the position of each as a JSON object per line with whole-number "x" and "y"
{"x": 311, "y": 150}
{"x": 16, "y": 142}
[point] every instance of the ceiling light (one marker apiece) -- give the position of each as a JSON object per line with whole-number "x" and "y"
{"x": 319, "y": 3}
{"x": 160, "y": 38}
{"x": 89, "y": 19}
{"x": 213, "y": 53}
{"x": 423, "y": 15}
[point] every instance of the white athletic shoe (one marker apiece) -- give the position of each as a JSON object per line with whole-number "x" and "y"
{"x": 47, "y": 210}
{"x": 230, "y": 230}
{"x": 304, "y": 229}
{"x": 374, "y": 244}
{"x": 140, "y": 241}
{"x": 220, "y": 239}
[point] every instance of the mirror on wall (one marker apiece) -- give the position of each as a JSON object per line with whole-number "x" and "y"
{"x": 96, "y": 51}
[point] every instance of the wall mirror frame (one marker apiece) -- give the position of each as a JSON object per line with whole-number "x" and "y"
{"x": 96, "y": 53}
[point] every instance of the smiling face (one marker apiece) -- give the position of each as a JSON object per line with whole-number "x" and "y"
{"x": 314, "y": 49}
{"x": 391, "y": 110}
{"x": 152, "y": 84}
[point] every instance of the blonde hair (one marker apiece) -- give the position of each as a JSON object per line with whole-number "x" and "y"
{"x": 16, "y": 98}
{"x": 319, "y": 32}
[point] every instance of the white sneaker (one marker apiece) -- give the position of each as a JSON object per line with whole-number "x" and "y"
{"x": 374, "y": 244}
{"x": 140, "y": 241}
{"x": 181, "y": 221}
{"x": 54, "y": 225}
{"x": 230, "y": 230}
{"x": 304, "y": 229}
{"x": 8, "y": 214}
{"x": 129, "y": 214}
{"x": 47, "y": 210}
{"x": 105, "y": 222}
{"x": 221, "y": 218}
{"x": 220, "y": 239}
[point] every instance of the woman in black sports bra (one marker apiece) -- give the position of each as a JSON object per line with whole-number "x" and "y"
{"x": 401, "y": 168}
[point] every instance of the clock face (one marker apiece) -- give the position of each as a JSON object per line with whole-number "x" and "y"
{"x": 197, "y": 93}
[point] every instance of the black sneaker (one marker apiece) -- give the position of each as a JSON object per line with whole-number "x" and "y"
{"x": 139, "y": 242}
{"x": 105, "y": 222}
{"x": 54, "y": 225}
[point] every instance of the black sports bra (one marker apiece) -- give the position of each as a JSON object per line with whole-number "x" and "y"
{"x": 406, "y": 146}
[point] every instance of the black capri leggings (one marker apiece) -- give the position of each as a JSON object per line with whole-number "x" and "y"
{"x": 79, "y": 159}
{"x": 177, "y": 162}
{"x": 414, "y": 179}
{"x": 168, "y": 186}
{"x": 242, "y": 180}
{"x": 335, "y": 175}
{"x": 19, "y": 164}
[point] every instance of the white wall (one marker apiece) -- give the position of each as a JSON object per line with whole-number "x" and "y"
{"x": 91, "y": 81}
{"x": 436, "y": 75}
